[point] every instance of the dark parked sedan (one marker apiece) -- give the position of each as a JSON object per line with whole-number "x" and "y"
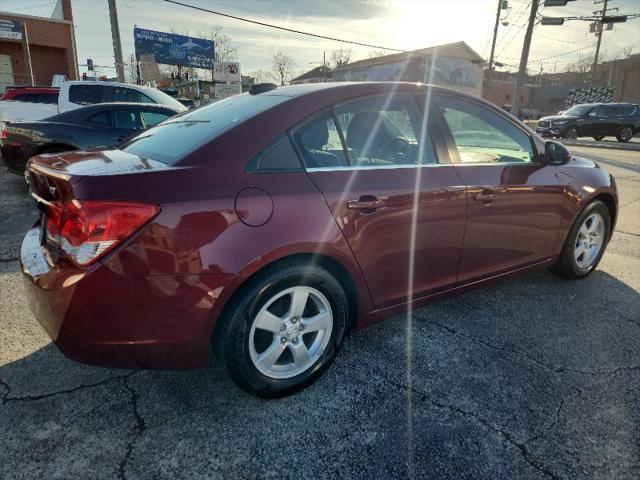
{"x": 98, "y": 126}
{"x": 265, "y": 226}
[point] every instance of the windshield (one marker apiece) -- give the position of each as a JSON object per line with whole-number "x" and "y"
{"x": 164, "y": 99}
{"x": 173, "y": 139}
{"x": 577, "y": 110}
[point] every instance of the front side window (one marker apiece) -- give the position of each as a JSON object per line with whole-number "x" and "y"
{"x": 86, "y": 94}
{"x": 102, "y": 118}
{"x": 482, "y": 136}
{"x": 27, "y": 97}
{"x": 385, "y": 131}
{"x": 50, "y": 98}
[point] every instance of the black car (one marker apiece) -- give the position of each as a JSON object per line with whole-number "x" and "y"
{"x": 597, "y": 120}
{"x": 97, "y": 126}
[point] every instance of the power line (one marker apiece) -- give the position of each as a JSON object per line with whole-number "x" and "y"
{"x": 278, "y": 27}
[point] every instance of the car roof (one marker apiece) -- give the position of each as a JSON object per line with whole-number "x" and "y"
{"x": 79, "y": 114}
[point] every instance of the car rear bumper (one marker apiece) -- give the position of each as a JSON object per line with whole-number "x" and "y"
{"x": 100, "y": 317}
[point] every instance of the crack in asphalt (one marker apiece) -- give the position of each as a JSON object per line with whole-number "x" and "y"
{"x": 138, "y": 429}
{"x": 543, "y": 363}
{"x": 507, "y": 436}
{"x": 7, "y": 387}
{"x": 28, "y": 398}
{"x": 628, "y": 233}
{"x": 8, "y": 260}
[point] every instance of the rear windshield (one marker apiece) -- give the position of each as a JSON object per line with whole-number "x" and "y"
{"x": 174, "y": 139}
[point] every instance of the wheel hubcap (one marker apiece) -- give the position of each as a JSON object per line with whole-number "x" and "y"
{"x": 572, "y": 134}
{"x": 290, "y": 332}
{"x": 589, "y": 241}
{"x": 626, "y": 133}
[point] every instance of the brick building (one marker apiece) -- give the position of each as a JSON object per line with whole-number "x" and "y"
{"x": 51, "y": 43}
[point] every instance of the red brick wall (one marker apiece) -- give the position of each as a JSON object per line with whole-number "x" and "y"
{"x": 52, "y": 49}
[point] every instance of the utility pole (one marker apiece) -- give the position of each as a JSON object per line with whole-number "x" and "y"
{"x": 524, "y": 58}
{"x": 594, "y": 67}
{"x": 493, "y": 49}
{"x": 115, "y": 34}
{"x": 27, "y": 54}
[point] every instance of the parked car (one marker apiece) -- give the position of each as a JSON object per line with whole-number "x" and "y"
{"x": 79, "y": 94}
{"x": 187, "y": 102}
{"x": 47, "y": 95}
{"x": 98, "y": 126}
{"x": 596, "y": 120}
{"x": 267, "y": 225}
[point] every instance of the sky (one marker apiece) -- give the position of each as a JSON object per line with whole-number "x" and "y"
{"x": 402, "y": 24}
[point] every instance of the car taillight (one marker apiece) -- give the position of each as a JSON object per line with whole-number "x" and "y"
{"x": 87, "y": 229}
{"x": 3, "y": 134}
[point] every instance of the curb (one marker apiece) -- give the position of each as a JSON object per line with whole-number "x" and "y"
{"x": 630, "y": 147}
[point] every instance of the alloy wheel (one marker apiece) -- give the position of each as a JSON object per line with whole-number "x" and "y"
{"x": 290, "y": 332}
{"x": 626, "y": 133}
{"x": 571, "y": 133}
{"x": 589, "y": 241}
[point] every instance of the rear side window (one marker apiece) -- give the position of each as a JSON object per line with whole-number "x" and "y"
{"x": 174, "y": 139}
{"x": 50, "y": 98}
{"x": 279, "y": 156}
{"x": 122, "y": 94}
{"x": 102, "y": 118}
{"x": 86, "y": 94}
{"x": 27, "y": 97}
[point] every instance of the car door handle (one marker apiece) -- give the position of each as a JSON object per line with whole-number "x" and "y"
{"x": 486, "y": 196}
{"x": 365, "y": 202}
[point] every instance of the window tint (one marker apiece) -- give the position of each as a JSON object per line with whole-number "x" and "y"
{"x": 86, "y": 94}
{"x": 153, "y": 118}
{"x": 128, "y": 120}
{"x": 102, "y": 118}
{"x": 319, "y": 143}
{"x": 385, "y": 131}
{"x": 27, "y": 97}
{"x": 122, "y": 94}
{"x": 51, "y": 98}
{"x": 483, "y": 136}
{"x": 177, "y": 137}
{"x": 278, "y": 156}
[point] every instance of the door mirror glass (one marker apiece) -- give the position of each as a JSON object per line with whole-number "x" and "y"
{"x": 557, "y": 153}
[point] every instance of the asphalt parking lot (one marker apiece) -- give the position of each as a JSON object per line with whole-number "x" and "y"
{"x": 531, "y": 378}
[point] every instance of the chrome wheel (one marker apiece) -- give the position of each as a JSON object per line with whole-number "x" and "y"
{"x": 626, "y": 133}
{"x": 589, "y": 241}
{"x": 290, "y": 332}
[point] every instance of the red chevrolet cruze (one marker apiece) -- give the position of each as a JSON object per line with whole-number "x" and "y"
{"x": 265, "y": 226}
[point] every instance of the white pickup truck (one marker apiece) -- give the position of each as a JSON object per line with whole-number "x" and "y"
{"x": 78, "y": 94}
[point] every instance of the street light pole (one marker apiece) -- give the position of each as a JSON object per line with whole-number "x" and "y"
{"x": 493, "y": 49}
{"x": 594, "y": 67}
{"x": 524, "y": 58}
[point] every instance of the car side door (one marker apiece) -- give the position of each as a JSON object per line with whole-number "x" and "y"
{"x": 400, "y": 205}
{"x": 514, "y": 198}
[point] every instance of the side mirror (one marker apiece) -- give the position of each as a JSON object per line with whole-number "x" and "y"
{"x": 556, "y": 153}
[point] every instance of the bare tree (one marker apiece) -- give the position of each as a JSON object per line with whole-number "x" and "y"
{"x": 340, "y": 57}
{"x": 262, "y": 76}
{"x": 377, "y": 53}
{"x": 225, "y": 49}
{"x": 283, "y": 67}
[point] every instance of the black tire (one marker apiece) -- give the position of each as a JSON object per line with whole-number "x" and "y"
{"x": 625, "y": 133}
{"x": 231, "y": 338}
{"x": 567, "y": 265}
{"x": 570, "y": 133}
{"x": 597, "y": 138}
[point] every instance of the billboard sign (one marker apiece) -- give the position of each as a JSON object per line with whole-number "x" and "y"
{"x": 224, "y": 90}
{"x": 10, "y": 29}
{"x": 227, "y": 72}
{"x": 174, "y": 49}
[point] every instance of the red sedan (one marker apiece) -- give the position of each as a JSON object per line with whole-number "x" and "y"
{"x": 265, "y": 226}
